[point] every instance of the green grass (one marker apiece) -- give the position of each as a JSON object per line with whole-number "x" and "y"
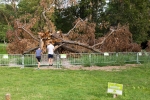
{"x": 3, "y": 48}
{"x": 31, "y": 84}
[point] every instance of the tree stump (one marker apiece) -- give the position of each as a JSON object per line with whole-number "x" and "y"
{"x": 7, "y": 96}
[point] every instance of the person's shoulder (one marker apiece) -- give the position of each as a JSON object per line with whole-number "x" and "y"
{"x": 51, "y": 45}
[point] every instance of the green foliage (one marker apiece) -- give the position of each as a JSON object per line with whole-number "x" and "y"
{"x": 28, "y": 6}
{"x": 3, "y": 31}
{"x": 3, "y": 49}
{"x": 29, "y": 9}
{"x": 64, "y": 18}
{"x": 91, "y": 8}
{"x": 6, "y": 11}
{"x": 135, "y": 13}
{"x": 6, "y": 15}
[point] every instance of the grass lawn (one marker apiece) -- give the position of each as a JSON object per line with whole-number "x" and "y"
{"x": 3, "y": 48}
{"x": 31, "y": 84}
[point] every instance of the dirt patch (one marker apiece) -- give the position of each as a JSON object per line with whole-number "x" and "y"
{"x": 105, "y": 68}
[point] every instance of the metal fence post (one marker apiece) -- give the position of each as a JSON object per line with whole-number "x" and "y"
{"x": 137, "y": 58}
{"x": 90, "y": 59}
{"x": 22, "y": 61}
{"x": 117, "y": 54}
{"x": 58, "y": 61}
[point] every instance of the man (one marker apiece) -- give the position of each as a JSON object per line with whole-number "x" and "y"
{"x": 50, "y": 49}
{"x": 38, "y": 54}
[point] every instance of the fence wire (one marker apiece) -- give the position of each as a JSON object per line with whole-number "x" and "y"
{"x": 86, "y": 59}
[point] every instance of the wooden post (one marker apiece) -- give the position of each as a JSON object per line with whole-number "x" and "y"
{"x": 115, "y": 95}
{"x": 7, "y": 96}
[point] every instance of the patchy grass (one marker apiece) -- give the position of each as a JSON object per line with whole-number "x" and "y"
{"x": 32, "y": 84}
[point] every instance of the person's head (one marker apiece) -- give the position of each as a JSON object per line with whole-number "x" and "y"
{"x": 58, "y": 32}
{"x": 50, "y": 42}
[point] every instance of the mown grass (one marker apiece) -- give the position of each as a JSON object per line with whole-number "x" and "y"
{"x": 31, "y": 84}
{"x": 3, "y": 48}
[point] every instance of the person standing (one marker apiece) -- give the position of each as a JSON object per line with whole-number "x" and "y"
{"x": 38, "y": 54}
{"x": 50, "y": 49}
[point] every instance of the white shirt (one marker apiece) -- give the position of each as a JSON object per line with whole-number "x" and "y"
{"x": 50, "y": 49}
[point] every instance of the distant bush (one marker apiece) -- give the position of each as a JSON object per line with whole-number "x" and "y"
{"x": 3, "y": 48}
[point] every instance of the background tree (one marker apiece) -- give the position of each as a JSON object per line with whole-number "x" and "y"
{"x": 135, "y": 13}
{"x": 63, "y": 18}
{"x": 7, "y": 14}
{"x": 85, "y": 9}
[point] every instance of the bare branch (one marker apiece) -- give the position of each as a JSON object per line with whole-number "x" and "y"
{"x": 77, "y": 43}
{"x": 81, "y": 44}
{"x": 74, "y": 26}
{"x": 104, "y": 39}
{"x": 43, "y": 13}
{"x": 17, "y": 36}
{"x": 27, "y": 32}
{"x": 25, "y": 52}
{"x": 70, "y": 49}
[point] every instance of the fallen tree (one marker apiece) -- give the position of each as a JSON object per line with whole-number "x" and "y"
{"x": 80, "y": 39}
{"x": 117, "y": 40}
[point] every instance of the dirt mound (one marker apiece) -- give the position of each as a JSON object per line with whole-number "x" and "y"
{"x": 105, "y": 68}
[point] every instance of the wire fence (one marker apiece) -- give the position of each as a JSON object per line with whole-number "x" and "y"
{"x": 85, "y": 59}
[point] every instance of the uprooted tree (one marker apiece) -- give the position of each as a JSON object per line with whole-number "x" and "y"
{"x": 80, "y": 39}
